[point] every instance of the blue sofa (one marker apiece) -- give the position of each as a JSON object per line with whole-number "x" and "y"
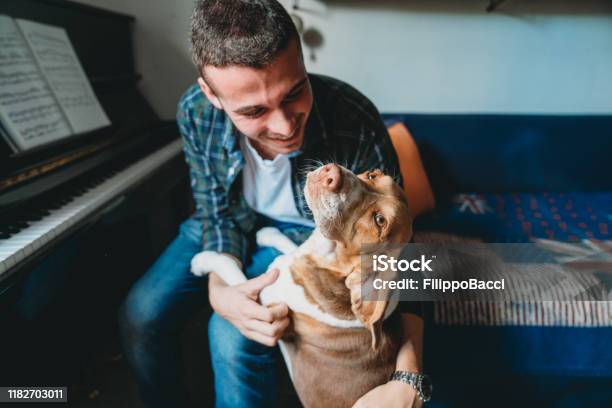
{"x": 515, "y": 178}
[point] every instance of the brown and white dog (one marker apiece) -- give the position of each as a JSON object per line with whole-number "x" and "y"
{"x": 339, "y": 346}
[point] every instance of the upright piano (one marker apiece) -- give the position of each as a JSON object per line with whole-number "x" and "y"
{"x": 75, "y": 214}
{"x": 49, "y": 192}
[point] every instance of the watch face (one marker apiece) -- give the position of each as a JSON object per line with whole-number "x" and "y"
{"x": 426, "y": 388}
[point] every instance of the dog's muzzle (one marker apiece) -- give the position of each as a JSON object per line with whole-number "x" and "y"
{"x": 328, "y": 190}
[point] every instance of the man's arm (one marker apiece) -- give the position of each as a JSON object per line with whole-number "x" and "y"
{"x": 396, "y": 394}
{"x": 219, "y": 232}
{"x": 237, "y": 304}
{"x": 410, "y": 356}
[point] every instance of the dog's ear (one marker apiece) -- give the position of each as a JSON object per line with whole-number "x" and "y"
{"x": 370, "y": 312}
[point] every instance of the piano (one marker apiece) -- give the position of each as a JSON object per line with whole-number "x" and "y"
{"x": 82, "y": 218}
{"x": 50, "y": 192}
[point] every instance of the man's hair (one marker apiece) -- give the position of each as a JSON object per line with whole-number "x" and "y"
{"x": 248, "y": 33}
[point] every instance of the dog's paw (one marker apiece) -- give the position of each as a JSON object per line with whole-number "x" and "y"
{"x": 224, "y": 266}
{"x": 268, "y": 236}
{"x": 202, "y": 263}
{"x": 272, "y": 237}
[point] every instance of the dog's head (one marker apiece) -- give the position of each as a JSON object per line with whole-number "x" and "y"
{"x": 357, "y": 209}
{"x": 352, "y": 210}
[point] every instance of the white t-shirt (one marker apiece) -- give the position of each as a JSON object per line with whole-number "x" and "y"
{"x": 267, "y": 185}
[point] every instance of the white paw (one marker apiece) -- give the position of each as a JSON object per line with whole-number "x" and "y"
{"x": 272, "y": 237}
{"x": 202, "y": 262}
{"x": 268, "y": 236}
{"x": 224, "y": 266}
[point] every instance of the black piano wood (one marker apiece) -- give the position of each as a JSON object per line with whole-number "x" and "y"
{"x": 102, "y": 41}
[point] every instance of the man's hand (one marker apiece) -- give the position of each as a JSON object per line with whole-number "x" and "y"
{"x": 394, "y": 394}
{"x": 238, "y": 305}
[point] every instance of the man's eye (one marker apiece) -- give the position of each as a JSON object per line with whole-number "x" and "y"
{"x": 293, "y": 95}
{"x": 379, "y": 219}
{"x": 254, "y": 113}
{"x": 371, "y": 175}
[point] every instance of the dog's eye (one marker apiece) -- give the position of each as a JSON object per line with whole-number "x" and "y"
{"x": 374, "y": 173}
{"x": 379, "y": 219}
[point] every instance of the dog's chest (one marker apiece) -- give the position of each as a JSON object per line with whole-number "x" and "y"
{"x": 286, "y": 290}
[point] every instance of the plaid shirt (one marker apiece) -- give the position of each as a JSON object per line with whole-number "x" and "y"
{"x": 343, "y": 127}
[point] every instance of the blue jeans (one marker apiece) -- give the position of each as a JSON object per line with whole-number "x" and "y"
{"x": 157, "y": 309}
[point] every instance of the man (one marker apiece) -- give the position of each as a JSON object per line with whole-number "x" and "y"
{"x": 251, "y": 126}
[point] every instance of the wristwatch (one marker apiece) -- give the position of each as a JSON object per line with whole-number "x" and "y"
{"x": 420, "y": 382}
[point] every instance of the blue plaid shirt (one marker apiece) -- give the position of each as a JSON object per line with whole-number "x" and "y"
{"x": 343, "y": 127}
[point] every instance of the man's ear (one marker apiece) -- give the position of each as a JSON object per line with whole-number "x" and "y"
{"x": 370, "y": 312}
{"x": 210, "y": 94}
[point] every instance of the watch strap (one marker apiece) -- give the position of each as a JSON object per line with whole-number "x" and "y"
{"x": 412, "y": 379}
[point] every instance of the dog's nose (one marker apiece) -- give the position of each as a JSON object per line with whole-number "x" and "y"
{"x": 331, "y": 177}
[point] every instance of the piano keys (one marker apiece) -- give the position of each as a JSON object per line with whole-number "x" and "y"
{"x": 27, "y": 237}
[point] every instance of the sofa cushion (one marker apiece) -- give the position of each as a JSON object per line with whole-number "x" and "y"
{"x": 501, "y": 153}
{"x": 514, "y": 217}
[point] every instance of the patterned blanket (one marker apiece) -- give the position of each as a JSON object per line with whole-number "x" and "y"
{"x": 576, "y": 228}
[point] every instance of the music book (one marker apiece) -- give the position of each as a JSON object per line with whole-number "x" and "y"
{"x": 44, "y": 92}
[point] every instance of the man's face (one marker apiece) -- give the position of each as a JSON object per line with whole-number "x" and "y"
{"x": 270, "y": 106}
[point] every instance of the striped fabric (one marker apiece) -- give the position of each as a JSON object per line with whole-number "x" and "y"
{"x": 343, "y": 127}
{"x": 582, "y": 273}
{"x": 575, "y": 226}
{"x": 548, "y": 313}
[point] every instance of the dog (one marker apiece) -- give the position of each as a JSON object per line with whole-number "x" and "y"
{"x": 338, "y": 346}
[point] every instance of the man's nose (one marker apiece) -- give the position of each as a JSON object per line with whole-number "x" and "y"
{"x": 331, "y": 177}
{"x": 281, "y": 123}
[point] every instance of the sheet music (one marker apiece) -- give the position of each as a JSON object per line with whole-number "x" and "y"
{"x": 59, "y": 63}
{"x": 28, "y": 109}
{"x": 7, "y": 137}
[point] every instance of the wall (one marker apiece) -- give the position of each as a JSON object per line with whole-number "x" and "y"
{"x": 440, "y": 56}
{"x": 161, "y": 47}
